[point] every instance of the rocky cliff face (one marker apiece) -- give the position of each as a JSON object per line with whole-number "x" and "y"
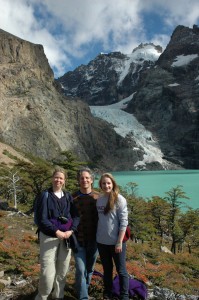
{"x": 109, "y": 77}
{"x": 36, "y": 118}
{"x": 167, "y": 98}
{"x": 166, "y": 86}
{"x": 30, "y": 117}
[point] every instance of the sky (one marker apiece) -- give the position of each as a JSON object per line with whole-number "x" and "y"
{"x": 73, "y": 32}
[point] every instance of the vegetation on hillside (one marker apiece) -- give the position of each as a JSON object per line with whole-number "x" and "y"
{"x": 157, "y": 225}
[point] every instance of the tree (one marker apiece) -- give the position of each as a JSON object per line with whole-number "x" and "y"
{"x": 139, "y": 221}
{"x": 3, "y": 183}
{"x": 158, "y": 208}
{"x": 11, "y": 180}
{"x": 189, "y": 223}
{"x": 71, "y": 164}
{"x": 131, "y": 188}
{"x": 35, "y": 177}
{"x": 173, "y": 198}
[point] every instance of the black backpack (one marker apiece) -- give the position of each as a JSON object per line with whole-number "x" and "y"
{"x": 38, "y": 199}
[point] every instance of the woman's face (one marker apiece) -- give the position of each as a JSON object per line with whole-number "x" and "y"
{"x": 106, "y": 185}
{"x": 58, "y": 180}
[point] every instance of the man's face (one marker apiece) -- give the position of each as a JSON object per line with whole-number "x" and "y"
{"x": 85, "y": 180}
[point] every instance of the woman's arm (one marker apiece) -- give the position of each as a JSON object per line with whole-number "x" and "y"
{"x": 122, "y": 214}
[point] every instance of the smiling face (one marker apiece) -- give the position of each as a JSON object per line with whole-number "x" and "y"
{"x": 58, "y": 181}
{"x": 85, "y": 182}
{"x": 106, "y": 185}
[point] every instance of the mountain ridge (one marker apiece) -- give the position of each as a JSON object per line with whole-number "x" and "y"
{"x": 166, "y": 95}
{"x": 36, "y": 118}
{"x": 109, "y": 77}
{"x": 44, "y": 117}
{"x": 173, "y": 98}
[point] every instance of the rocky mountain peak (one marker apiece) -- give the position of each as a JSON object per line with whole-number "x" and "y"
{"x": 109, "y": 77}
{"x": 36, "y": 118}
{"x": 184, "y": 41}
{"x": 24, "y": 54}
{"x": 146, "y": 46}
{"x": 162, "y": 91}
{"x": 163, "y": 87}
{"x": 167, "y": 100}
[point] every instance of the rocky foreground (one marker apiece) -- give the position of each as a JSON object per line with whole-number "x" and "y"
{"x": 19, "y": 288}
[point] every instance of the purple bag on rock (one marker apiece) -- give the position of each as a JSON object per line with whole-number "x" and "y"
{"x": 136, "y": 287}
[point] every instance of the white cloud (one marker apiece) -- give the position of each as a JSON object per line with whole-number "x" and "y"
{"x": 179, "y": 12}
{"x": 109, "y": 22}
{"x": 18, "y": 17}
{"x": 71, "y": 29}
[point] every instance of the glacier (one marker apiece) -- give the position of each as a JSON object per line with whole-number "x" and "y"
{"x": 127, "y": 124}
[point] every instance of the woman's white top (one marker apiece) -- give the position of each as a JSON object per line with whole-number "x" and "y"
{"x": 110, "y": 224}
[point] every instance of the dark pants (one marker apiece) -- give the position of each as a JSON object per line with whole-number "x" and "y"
{"x": 107, "y": 256}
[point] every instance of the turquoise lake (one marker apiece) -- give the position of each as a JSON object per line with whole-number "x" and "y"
{"x": 156, "y": 183}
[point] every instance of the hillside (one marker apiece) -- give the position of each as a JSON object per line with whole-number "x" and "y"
{"x": 8, "y": 155}
{"x": 36, "y": 118}
{"x": 167, "y": 276}
{"x": 45, "y": 117}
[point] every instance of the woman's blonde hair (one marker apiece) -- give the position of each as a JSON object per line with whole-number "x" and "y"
{"x": 113, "y": 197}
{"x": 61, "y": 170}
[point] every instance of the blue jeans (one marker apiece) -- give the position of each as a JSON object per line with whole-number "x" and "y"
{"x": 107, "y": 256}
{"x": 85, "y": 260}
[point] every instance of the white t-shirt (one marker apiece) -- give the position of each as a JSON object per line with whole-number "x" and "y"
{"x": 59, "y": 194}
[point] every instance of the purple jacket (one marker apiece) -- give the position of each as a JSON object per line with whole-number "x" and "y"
{"x": 50, "y": 210}
{"x": 136, "y": 287}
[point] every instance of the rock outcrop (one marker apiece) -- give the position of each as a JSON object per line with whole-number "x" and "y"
{"x": 45, "y": 116}
{"x": 36, "y": 118}
{"x": 109, "y": 77}
{"x": 165, "y": 87}
{"x": 167, "y": 98}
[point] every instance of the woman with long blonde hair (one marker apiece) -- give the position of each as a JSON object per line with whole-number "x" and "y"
{"x": 112, "y": 223}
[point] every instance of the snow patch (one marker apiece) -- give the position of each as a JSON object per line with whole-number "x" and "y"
{"x": 173, "y": 84}
{"x": 197, "y": 78}
{"x": 182, "y": 60}
{"x": 126, "y": 124}
{"x": 147, "y": 53}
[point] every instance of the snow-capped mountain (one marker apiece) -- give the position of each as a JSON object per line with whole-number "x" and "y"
{"x": 109, "y": 77}
{"x": 145, "y": 105}
{"x": 167, "y": 99}
{"x": 106, "y": 80}
{"x": 165, "y": 102}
